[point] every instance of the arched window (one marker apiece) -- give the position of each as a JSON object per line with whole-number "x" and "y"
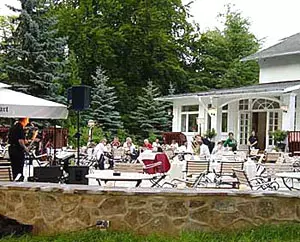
{"x": 264, "y": 104}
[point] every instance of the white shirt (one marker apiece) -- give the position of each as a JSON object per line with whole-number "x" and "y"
{"x": 99, "y": 150}
{"x": 204, "y": 151}
{"x": 131, "y": 147}
{"x": 174, "y": 146}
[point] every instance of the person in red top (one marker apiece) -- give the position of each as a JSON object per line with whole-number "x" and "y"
{"x": 147, "y": 145}
{"x": 115, "y": 142}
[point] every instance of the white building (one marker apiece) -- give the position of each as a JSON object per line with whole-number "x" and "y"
{"x": 272, "y": 104}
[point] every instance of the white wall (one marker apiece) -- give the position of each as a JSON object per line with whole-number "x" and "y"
{"x": 278, "y": 69}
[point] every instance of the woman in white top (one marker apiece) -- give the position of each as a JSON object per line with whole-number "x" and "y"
{"x": 99, "y": 153}
{"x": 174, "y": 145}
{"x": 129, "y": 146}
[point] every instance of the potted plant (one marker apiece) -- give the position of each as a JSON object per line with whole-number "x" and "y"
{"x": 279, "y": 136}
{"x": 210, "y": 133}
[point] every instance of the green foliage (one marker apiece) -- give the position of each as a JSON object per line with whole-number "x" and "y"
{"x": 37, "y": 56}
{"x": 122, "y": 135}
{"x": 152, "y": 137}
{"x": 151, "y": 116}
{"x": 132, "y": 40}
{"x": 71, "y": 68}
{"x": 7, "y": 27}
{"x": 218, "y": 53}
{"x": 97, "y": 135}
{"x": 210, "y": 133}
{"x": 279, "y": 135}
{"x": 263, "y": 233}
{"x": 104, "y": 103}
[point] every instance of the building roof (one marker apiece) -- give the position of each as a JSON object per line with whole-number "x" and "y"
{"x": 264, "y": 88}
{"x": 287, "y": 46}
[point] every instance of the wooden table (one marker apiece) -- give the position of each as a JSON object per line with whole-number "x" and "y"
{"x": 289, "y": 178}
{"x": 129, "y": 176}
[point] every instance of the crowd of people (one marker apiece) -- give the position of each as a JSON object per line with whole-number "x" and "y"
{"x": 200, "y": 146}
{"x": 20, "y": 144}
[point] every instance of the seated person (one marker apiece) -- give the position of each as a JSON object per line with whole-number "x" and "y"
{"x": 130, "y": 148}
{"x": 218, "y": 148}
{"x": 156, "y": 143}
{"x": 231, "y": 142}
{"x": 99, "y": 152}
{"x": 115, "y": 142}
{"x": 147, "y": 145}
{"x": 200, "y": 148}
{"x": 174, "y": 145}
{"x": 185, "y": 148}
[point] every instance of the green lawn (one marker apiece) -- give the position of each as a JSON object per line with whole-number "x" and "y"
{"x": 280, "y": 233}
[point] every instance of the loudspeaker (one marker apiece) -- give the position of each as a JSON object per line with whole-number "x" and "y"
{"x": 47, "y": 174}
{"x": 77, "y": 175}
{"x": 79, "y": 97}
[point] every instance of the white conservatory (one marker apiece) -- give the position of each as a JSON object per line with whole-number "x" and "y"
{"x": 272, "y": 104}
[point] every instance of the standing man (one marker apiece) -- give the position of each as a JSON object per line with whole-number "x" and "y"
{"x": 16, "y": 139}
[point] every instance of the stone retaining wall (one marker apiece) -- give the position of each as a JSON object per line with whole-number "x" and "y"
{"x": 52, "y": 208}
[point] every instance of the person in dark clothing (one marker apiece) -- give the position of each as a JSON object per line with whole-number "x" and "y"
{"x": 253, "y": 141}
{"x": 16, "y": 139}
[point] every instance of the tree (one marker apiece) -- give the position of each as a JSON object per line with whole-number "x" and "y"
{"x": 7, "y": 27}
{"x": 132, "y": 40}
{"x": 151, "y": 114}
{"x": 218, "y": 53}
{"x": 104, "y": 103}
{"x": 37, "y": 58}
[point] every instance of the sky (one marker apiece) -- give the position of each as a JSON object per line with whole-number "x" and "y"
{"x": 270, "y": 20}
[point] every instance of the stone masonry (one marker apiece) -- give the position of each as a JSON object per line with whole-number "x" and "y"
{"x": 53, "y": 208}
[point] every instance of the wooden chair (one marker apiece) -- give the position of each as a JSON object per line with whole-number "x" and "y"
{"x": 170, "y": 153}
{"x": 272, "y": 157}
{"x": 195, "y": 167}
{"x": 255, "y": 183}
{"x": 140, "y": 168}
{"x": 5, "y": 173}
{"x": 225, "y": 176}
{"x": 129, "y": 167}
{"x": 195, "y": 174}
{"x": 118, "y": 154}
{"x": 270, "y": 169}
{"x": 254, "y": 152}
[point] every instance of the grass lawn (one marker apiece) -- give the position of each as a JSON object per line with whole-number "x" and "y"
{"x": 280, "y": 233}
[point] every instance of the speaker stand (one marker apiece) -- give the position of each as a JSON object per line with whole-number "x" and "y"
{"x": 78, "y": 138}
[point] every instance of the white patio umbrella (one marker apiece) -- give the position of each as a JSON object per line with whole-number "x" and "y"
{"x": 16, "y": 105}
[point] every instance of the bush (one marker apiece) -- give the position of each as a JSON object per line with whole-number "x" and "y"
{"x": 210, "y": 133}
{"x": 279, "y": 135}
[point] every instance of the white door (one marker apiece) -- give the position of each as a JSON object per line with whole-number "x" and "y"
{"x": 244, "y": 127}
{"x": 273, "y": 123}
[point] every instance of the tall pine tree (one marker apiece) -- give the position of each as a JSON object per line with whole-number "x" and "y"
{"x": 151, "y": 114}
{"x": 38, "y": 55}
{"x": 104, "y": 101}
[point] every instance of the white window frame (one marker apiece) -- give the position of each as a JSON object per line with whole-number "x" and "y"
{"x": 187, "y": 113}
{"x": 224, "y": 111}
